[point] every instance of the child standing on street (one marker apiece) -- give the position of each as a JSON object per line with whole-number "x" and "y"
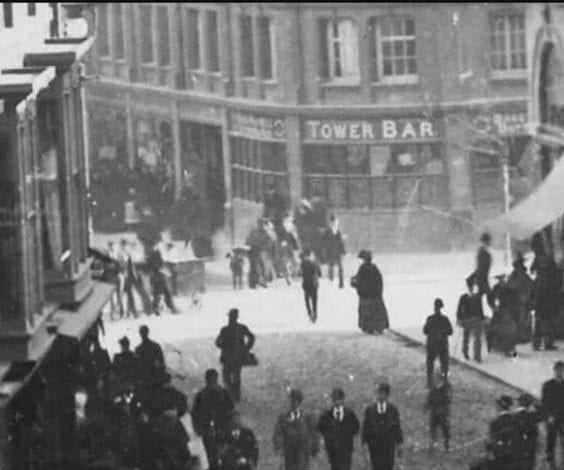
{"x": 236, "y": 262}
{"x": 438, "y": 407}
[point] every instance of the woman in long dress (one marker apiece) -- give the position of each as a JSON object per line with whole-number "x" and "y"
{"x": 368, "y": 282}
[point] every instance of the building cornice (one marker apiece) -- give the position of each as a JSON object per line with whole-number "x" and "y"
{"x": 305, "y": 109}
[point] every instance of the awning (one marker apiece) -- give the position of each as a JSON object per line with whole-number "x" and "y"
{"x": 75, "y": 323}
{"x": 61, "y": 53}
{"x": 540, "y": 209}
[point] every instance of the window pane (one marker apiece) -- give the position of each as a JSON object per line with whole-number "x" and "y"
{"x": 409, "y": 27}
{"x": 398, "y": 48}
{"x": 119, "y": 49}
{"x": 193, "y": 27}
{"x": 400, "y": 67}
{"x": 146, "y": 34}
{"x": 103, "y": 44}
{"x": 357, "y": 159}
{"x": 387, "y": 49}
{"x": 412, "y": 66}
{"x": 410, "y": 48}
{"x": 213, "y": 43}
{"x": 266, "y": 47}
{"x": 406, "y": 190}
{"x": 337, "y": 191}
{"x": 164, "y": 39}
{"x": 247, "y": 48}
{"x": 382, "y": 192}
{"x": 387, "y": 67}
{"x": 397, "y": 27}
{"x": 359, "y": 191}
{"x": 385, "y": 28}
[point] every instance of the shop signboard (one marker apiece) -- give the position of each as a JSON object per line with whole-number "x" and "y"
{"x": 502, "y": 123}
{"x": 370, "y": 130}
{"x": 258, "y": 127}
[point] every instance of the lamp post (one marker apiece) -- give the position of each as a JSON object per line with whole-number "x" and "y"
{"x": 506, "y": 198}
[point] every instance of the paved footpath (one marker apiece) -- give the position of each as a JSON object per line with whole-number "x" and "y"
{"x": 412, "y": 282}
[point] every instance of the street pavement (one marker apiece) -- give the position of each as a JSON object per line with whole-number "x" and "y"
{"x": 411, "y": 283}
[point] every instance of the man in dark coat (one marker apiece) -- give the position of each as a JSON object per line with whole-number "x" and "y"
{"x": 159, "y": 282}
{"x": 483, "y": 264}
{"x": 381, "y": 431}
{"x": 438, "y": 406}
{"x": 437, "y": 329}
{"x": 338, "y": 426}
{"x": 504, "y": 437}
{"x": 241, "y": 451}
{"x": 311, "y": 273}
{"x": 334, "y": 249}
{"x": 470, "y": 316}
{"x": 552, "y": 399}
{"x": 124, "y": 365}
{"x": 295, "y": 435}
{"x": 210, "y": 415}
{"x": 528, "y": 417}
{"x": 151, "y": 367}
{"x": 235, "y": 341}
{"x": 521, "y": 286}
{"x": 369, "y": 285}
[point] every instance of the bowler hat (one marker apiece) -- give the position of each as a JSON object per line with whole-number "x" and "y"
{"x": 233, "y": 312}
{"x": 365, "y": 254}
{"x": 124, "y": 340}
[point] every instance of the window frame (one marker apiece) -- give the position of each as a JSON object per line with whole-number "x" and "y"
{"x": 506, "y": 16}
{"x": 187, "y": 38}
{"x": 157, "y": 40}
{"x": 273, "y": 49}
{"x": 205, "y": 31}
{"x": 104, "y": 40}
{"x": 377, "y": 41}
{"x": 113, "y": 32}
{"x": 243, "y": 74}
{"x": 142, "y": 61}
{"x": 330, "y": 38}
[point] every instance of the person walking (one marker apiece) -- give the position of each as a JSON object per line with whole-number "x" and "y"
{"x": 295, "y": 435}
{"x": 334, "y": 249}
{"x": 528, "y": 417}
{"x": 132, "y": 280}
{"x": 504, "y": 437}
{"x": 235, "y": 342}
{"x": 437, "y": 329}
{"x": 339, "y": 426}
{"x": 470, "y": 317}
{"x": 158, "y": 273}
{"x": 481, "y": 274}
{"x": 521, "y": 286}
{"x": 210, "y": 415}
{"x": 151, "y": 368}
{"x": 124, "y": 365}
{"x": 503, "y": 326}
{"x": 552, "y": 399}
{"x": 311, "y": 272}
{"x": 438, "y": 406}
{"x": 241, "y": 450}
{"x": 369, "y": 285}
{"x": 381, "y": 431}
{"x": 254, "y": 241}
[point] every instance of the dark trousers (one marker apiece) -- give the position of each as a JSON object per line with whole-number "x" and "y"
{"x": 310, "y": 295}
{"x": 339, "y": 264}
{"x": 340, "y": 460}
{"x": 211, "y": 445}
{"x": 544, "y": 330}
{"x": 160, "y": 289}
{"x": 383, "y": 458}
{"x": 472, "y": 329}
{"x": 553, "y": 431}
{"x": 232, "y": 380}
{"x": 237, "y": 279}
{"x": 442, "y": 422}
{"x": 434, "y": 352}
{"x": 131, "y": 283}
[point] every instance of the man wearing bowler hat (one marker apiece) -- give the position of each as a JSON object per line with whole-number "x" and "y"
{"x": 437, "y": 329}
{"x": 235, "y": 341}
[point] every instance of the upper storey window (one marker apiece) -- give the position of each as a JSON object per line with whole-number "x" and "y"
{"x": 339, "y": 54}
{"x": 507, "y": 44}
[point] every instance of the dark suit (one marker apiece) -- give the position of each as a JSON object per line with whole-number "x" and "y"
{"x": 553, "y": 406}
{"x": 437, "y": 329}
{"x": 382, "y": 433}
{"x": 235, "y": 341}
{"x": 297, "y": 438}
{"x": 339, "y": 436}
{"x": 528, "y": 421}
{"x": 236, "y": 446}
{"x": 334, "y": 250}
{"x": 504, "y": 441}
{"x": 481, "y": 275}
{"x": 470, "y": 316}
{"x": 310, "y": 273}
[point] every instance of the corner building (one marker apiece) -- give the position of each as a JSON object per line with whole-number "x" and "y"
{"x": 377, "y": 108}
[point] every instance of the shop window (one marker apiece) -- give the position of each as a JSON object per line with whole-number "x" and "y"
{"x": 267, "y": 47}
{"x": 257, "y": 166}
{"x": 31, "y": 9}
{"x": 193, "y": 27}
{"x": 247, "y": 46}
{"x": 146, "y": 32}
{"x": 393, "y": 50}
{"x": 507, "y": 43}
{"x": 103, "y": 31}
{"x": 117, "y": 18}
{"x": 341, "y": 49}
{"x": 212, "y": 41}
{"x": 164, "y": 37}
{"x": 375, "y": 176}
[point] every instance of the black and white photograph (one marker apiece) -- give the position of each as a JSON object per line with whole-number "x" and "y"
{"x": 282, "y": 236}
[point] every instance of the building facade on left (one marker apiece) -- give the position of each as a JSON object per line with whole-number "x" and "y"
{"x": 50, "y": 305}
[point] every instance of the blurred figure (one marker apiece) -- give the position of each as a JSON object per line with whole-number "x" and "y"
{"x": 552, "y": 399}
{"x": 503, "y": 327}
{"x": 114, "y": 276}
{"x": 289, "y": 245}
{"x": 151, "y": 367}
{"x": 255, "y": 242}
{"x": 438, "y": 407}
{"x": 210, "y": 415}
{"x": 235, "y": 341}
{"x": 338, "y": 426}
{"x": 158, "y": 273}
{"x": 268, "y": 249}
{"x": 124, "y": 366}
{"x": 381, "y": 431}
{"x": 369, "y": 285}
{"x": 295, "y": 435}
{"x": 528, "y": 417}
{"x": 504, "y": 437}
{"x": 470, "y": 317}
{"x": 437, "y": 329}
{"x": 483, "y": 265}
{"x": 132, "y": 280}
{"x": 236, "y": 263}
{"x": 311, "y": 272}
{"x": 334, "y": 249}
{"x": 240, "y": 451}
{"x": 521, "y": 286}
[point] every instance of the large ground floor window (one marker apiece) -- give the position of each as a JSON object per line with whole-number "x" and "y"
{"x": 376, "y": 176}
{"x": 258, "y": 166}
